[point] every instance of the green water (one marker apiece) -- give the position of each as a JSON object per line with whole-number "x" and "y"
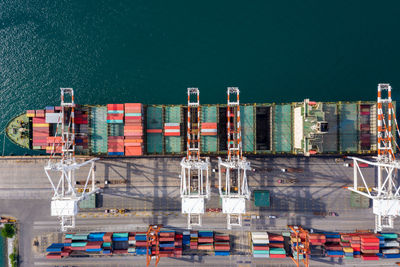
{"x": 151, "y": 51}
{"x": 3, "y": 257}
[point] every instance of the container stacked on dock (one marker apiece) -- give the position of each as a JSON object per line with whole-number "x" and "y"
{"x": 260, "y": 244}
{"x": 167, "y": 244}
{"x": 369, "y": 247}
{"x": 133, "y": 129}
{"x": 391, "y": 245}
{"x": 186, "y": 239}
{"x": 332, "y": 245}
{"x": 348, "y": 251}
{"x": 120, "y": 243}
{"x": 141, "y": 243}
{"x": 194, "y": 237}
{"x": 131, "y": 243}
{"x": 221, "y": 244}
{"x": 276, "y": 246}
{"x": 205, "y": 240}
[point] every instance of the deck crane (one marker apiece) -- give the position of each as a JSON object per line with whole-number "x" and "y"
{"x": 194, "y": 186}
{"x": 385, "y": 193}
{"x": 302, "y": 248}
{"x": 64, "y": 203}
{"x": 232, "y": 178}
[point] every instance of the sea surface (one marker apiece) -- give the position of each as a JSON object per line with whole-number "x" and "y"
{"x": 151, "y": 51}
{"x": 3, "y": 257}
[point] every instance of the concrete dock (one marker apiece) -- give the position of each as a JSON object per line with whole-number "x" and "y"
{"x": 149, "y": 188}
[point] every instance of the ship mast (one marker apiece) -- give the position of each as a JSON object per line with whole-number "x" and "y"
{"x": 64, "y": 203}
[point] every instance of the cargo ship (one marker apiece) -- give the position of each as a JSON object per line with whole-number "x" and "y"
{"x": 136, "y": 129}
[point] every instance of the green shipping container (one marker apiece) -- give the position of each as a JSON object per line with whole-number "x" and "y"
{"x": 88, "y": 203}
{"x": 261, "y": 198}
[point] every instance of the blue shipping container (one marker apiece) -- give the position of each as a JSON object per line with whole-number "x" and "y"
{"x": 222, "y": 253}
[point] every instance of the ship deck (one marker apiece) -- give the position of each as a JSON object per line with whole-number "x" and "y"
{"x": 16, "y": 133}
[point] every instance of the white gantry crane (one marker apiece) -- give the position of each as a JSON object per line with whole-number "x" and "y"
{"x": 194, "y": 187}
{"x": 232, "y": 180}
{"x": 64, "y": 203}
{"x": 384, "y": 188}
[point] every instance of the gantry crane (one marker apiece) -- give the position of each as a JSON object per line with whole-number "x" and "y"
{"x": 64, "y": 203}
{"x": 194, "y": 187}
{"x": 302, "y": 248}
{"x": 152, "y": 238}
{"x": 232, "y": 182}
{"x": 385, "y": 194}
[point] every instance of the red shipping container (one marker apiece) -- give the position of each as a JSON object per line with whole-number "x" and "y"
{"x": 208, "y": 125}
{"x": 278, "y": 256}
{"x": 54, "y": 256}
{"x": 141, "y": 243}
{"x": 221, "y": 237}
{"x": 115, "y": 106}
{"x": 276, "y": 245}
{"x": 154, "y": 130}
{"x": 120, "y": 251}
{"x": 260, "y": 247}
{"x": 205, "y": 240}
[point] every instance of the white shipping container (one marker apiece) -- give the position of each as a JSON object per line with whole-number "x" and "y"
{"x": 171, "y": 124}
{"x": 391, "y": 244}
{"x": 390, "y": 251}
{"x": 260, "y": 241}
{"x": 53, "y": 117}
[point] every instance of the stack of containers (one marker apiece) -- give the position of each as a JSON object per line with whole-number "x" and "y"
{"x": 141, "y": 242}
{"x": 80, "y": 117}
{"x": 355, "y": 244}
{"x": 120, "y": 243}
{"x": 58, "y": 250}
{"x": 172, "y": 129}
{"x": 131, "y": 243}
{"x": 30, "y": 113}
{"x": 49, "y": 109}
{"x": 40, "y": 133}
{"x": 208, "y": 128}
{"x": 133, "y": 129}
{"x": 107, "y": 238}
{"x": 221, "y": 245}
{"x": 259, "y": 244}
{"x": 205, "y": 240}
{"x": 390, "y": 246}
{"x": 115, "y": 113}
{"x": 167, "y": 243}
{"x": 276, "y": 246}
{"x": 346, "y": 245}
{"x": 316, "y": 239}
{"x": 332, "y": 245}
{"x": 178, "y": 245}
{"x": 194, "y": 237}
{"x": 116, "y": 145}
{"x": 96, "y": 236}
{"x": 39, "y": 113}
{"x": 186, "y": 239}
{"x": 369, "y": 247}
{"x": 93, "y": 246}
